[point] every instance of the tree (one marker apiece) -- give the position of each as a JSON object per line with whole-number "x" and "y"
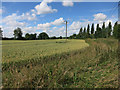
{"x": 103, "y": 27}
{"x": 27, "y": 36}
{"x": 43, "y": 35}
{"x": 60, "y": 37}
{"x": 100, "y": 33}
{"x": 70, "y": 37}
{"x": 18, "y": 34}
{"x": 118, "y": 34}
{"x": 30, "y": 36}
{"x": 92, "y": 29}
{"x": 54, "y": 37}
{"x": 95, "y": 35}
{"x": 33, "y": 36}
{"x": 84, "y": 33}
{"x": 1, "y": 33}
{"x": 74, "y": 36}
{"x": 88, "y": 31}
{"x": 109, "y": 29}
{"x": 81, "y": 30}
{"x": 115, "y": 30}
{"x": 104, "y": 32}
{"x": 80, "y": 34}
{"x": 97, "y": 31}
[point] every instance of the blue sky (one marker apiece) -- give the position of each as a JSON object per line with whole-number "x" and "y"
{"x": 37, "y": 17}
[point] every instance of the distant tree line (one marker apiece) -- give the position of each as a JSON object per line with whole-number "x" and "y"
{"x": 18, "y": 35}
{"x": 103, "y": 32}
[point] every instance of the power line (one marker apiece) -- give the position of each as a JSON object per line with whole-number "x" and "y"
{"x": 115, "y": 7}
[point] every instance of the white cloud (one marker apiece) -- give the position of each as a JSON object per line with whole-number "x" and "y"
{"x": 58, "y": 21}
{"x": 67, "y": 3}
{"x": 57, "y": 31}
{"x": 1, "y": 11}
{"x": 13, "y": 21}
{"x": 43, "y": 8}
{"x": 48, "y": 1}
{"x": 47, "y": 27}
{"x": 27, "y": 16}
{"x": 99, "y": 17}
{"x": 76, "y": 25}
{"x": 32, "y": 10}
{"x": 43, "y": 26}
{"x": 29, "y": 30}
{"x": 12, "y": 17}
{"x": 15, "y": 17}
{"x": 10, "y": 23}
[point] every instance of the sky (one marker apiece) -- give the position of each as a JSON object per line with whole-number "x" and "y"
{"x": 49, "y": 17}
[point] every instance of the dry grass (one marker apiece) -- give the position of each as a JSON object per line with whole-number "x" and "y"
{"x": 93, "y": 67}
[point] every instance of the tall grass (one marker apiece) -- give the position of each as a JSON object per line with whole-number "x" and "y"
{"x": 95, "y": 66}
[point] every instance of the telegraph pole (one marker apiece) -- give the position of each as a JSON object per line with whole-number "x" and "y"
{"x": 66, "y": 31}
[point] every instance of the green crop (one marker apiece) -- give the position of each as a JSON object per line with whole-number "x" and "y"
{"x": 22, "y": 50}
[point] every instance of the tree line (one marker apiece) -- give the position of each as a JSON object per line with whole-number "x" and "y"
{"x": 103, "y": 32}
{"x": 18, "y": 35}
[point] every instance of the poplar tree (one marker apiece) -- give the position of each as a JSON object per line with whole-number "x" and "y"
{"x": 84, "y": 33}
{"x": 109, "y": 29}
{"x": 104, "y": 32}
{"x": 80, "y": 35}
{"x": 92, "y": 29}
{"x": 115, "y": 30}
{"x": 1, "y": 33}
{"x": 88, "y": 31}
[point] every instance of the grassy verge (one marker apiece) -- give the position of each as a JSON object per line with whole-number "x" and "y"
{"x": 93, "y": 67}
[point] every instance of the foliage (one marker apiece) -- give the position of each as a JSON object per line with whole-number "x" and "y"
{"x": 88, "y": 31}
{"x": 1, "y": 33}
{"x": 118, "y": 35}
{"x": 60, "y": 37}
{"x": 54, "y": 37}
{"x": 80, "y": 34}
{"x": 104, "y": 32}
{"x": 18, "y": 34}
{"x": 43, "y": 35}
{"x": 30, "y": 36}
{"x": 109, "y": 29}
{"x": 115, "y": 30}
{"x": 92, "y": 29}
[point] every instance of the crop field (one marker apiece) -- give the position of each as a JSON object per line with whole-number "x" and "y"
{"x": 90, "y": 63}
{"x": 23, "y": 50}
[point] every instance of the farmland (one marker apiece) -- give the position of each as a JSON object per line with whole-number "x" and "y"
{"x": 22, "y": 50}
{"x": 90, "y": 63}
